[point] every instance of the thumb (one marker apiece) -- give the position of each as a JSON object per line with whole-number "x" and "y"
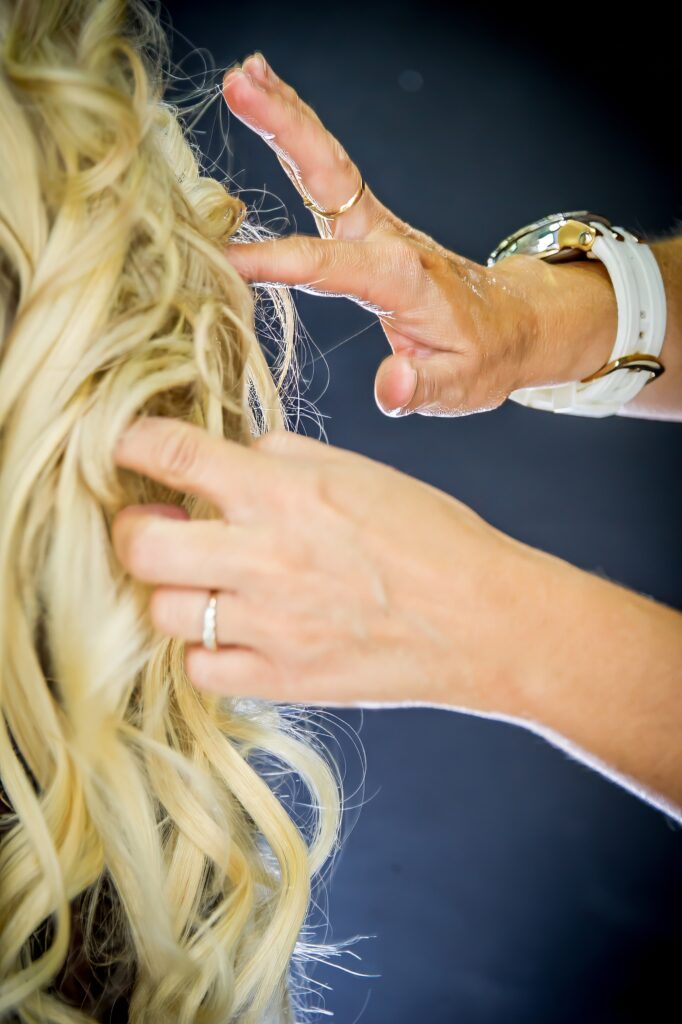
{"x": 403, "y": 385}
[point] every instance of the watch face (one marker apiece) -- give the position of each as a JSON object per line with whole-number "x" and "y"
{"x": 541, "y": 238}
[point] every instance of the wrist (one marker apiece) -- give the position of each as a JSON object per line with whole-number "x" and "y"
{"x": 568, "y": 325}
{"x": 556, "y": 634}
{"x": 506, "y": 630}
{"x": 601, "y": 673}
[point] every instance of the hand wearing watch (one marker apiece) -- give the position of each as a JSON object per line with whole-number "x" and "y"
{"x": 640, "y": 297}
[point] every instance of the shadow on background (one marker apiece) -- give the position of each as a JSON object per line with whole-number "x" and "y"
{"x": 505, "y": 883}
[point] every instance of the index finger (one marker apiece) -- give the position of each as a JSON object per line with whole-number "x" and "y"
{"x": 376, "y": 273}
{"x": 187, "y": 458}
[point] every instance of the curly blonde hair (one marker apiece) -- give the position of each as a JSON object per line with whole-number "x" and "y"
{"x": 140, "y": 837}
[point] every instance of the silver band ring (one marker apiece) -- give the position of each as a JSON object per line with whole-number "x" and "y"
{"x": 208, "y": 638}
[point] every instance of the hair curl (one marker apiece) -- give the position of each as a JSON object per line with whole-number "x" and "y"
{"x": 137, "y": 834}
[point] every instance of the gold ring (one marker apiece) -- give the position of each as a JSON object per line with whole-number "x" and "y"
{"x": 309, "y": 203}
{"x": 331, "y": 214}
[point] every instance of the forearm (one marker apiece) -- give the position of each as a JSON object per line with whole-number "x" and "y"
{"x": 600, "y": 674}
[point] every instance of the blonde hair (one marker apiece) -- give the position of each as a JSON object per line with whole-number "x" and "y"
{"x": 139, "y": 830}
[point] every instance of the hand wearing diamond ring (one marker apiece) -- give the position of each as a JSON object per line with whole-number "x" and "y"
{"x": 341, "y": 581}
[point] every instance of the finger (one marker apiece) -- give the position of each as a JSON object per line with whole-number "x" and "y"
{"x": 331, "y": 267}
{"x": 313, "y": 158}
{"x": 395, "y": 384}
{"x": 289, "y": 445}
{"x": 433, "y": 385}
{"x": 237, "y": 671}
{"x": 179, "y": 612}
{"x": 187, "y": 458}
{"x": 199, "y": 553}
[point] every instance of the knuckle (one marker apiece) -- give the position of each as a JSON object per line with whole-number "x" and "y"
{"x": 314, "y": 253}
{"x": 179, "y": 451}
{"x": 272, "y": 440}
{"x": 344, "y": 161}
{"x": 299, "y": 110}
{"x": 262, "y": 441}
{"x": 403, "y": 258}
{"x": 286, "y": 90}
{"x": 427, "y": 261}
{"x": 415, "y": 260}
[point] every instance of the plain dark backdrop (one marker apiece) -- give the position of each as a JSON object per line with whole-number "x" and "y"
{"x": 503, "y": 882}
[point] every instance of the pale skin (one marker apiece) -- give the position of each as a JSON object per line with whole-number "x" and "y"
{"x": 345, "y": 582}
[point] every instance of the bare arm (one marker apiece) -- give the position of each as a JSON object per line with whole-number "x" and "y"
{"x": 345, "y": 582}
{"x": 388, "y": 592}
{"x": 599, "y": 666}
{"x": 600, "y": 675}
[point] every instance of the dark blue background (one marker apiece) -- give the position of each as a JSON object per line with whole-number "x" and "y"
{"x": 504, "y": 883}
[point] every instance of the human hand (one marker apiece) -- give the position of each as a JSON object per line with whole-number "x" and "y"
{"x": 463, "y": 336}
{"x": 341, "y": 581}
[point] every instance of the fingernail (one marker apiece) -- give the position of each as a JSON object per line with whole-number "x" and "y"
{"x": 231, "y": 75}
{"x": 397, "y": 380}
{"x": 239, "y": 73}
{"x": 393, "y": 411}
{"x": 257, "y": 65}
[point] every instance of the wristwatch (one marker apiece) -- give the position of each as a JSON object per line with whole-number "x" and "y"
{"x": 640, "y": 297}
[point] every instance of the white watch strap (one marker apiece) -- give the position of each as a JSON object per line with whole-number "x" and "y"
{"x": 641, "y": 302}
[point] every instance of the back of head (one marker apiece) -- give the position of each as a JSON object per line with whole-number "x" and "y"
{"x": 140, "y": 849}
